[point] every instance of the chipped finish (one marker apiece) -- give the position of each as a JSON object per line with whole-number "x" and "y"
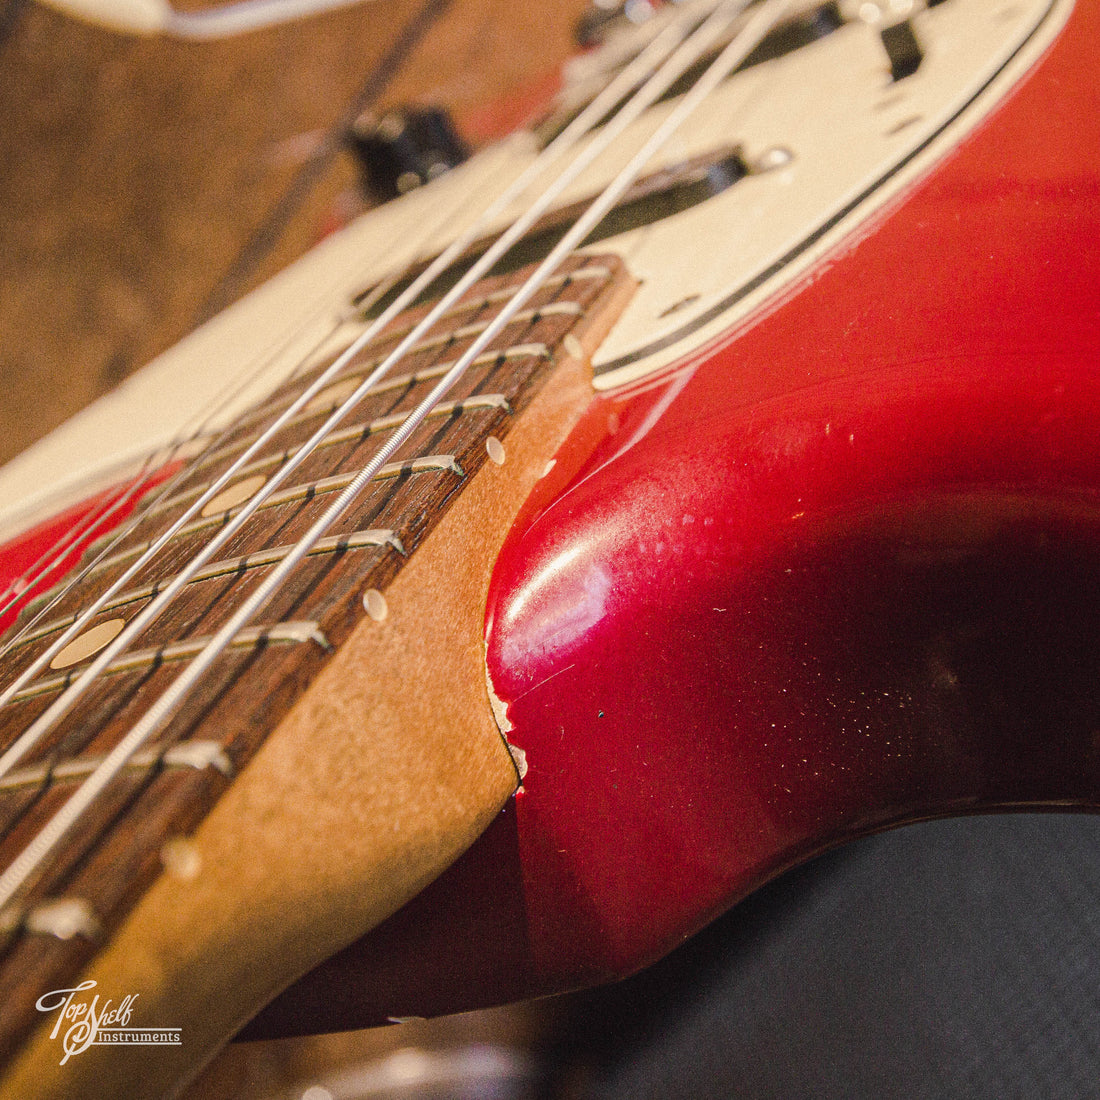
{"x": 836, "y": 571}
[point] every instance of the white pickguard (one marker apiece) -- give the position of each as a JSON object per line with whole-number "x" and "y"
{"x": 855, "y": 141}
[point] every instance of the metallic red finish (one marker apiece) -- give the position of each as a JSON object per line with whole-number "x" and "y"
{"x": 836, "y": 573}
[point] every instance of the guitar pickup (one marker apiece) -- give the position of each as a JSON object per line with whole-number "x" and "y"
{"x": 653, "y": 198}
{"x": 902, "y": 49}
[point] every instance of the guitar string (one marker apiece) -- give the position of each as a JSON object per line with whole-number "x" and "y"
{"x": 166, "y": 453}
{"x": 27, "y": 581}
{"x": 669, "y": 71}
{"x": 79, "y": 624}
{"x": 766, "y": 17}
{"x": 761, "y": 21}
{"x": 164, "y": 456}
{"x": 158, "y": 460}
{"x": 628, "y": 78}
{"x": 21, "y": 586}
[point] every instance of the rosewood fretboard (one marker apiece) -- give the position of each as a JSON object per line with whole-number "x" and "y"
{"x": 105, "y": 865}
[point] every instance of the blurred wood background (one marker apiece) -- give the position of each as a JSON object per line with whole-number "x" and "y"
{"x": 144, "y": 183}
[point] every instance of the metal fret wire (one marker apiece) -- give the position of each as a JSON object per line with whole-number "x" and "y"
{"x": 681, "y": 60}
{"x": 161, "y": 457}
{"x": 45, "y": 563}
{"x": 627, "y": 79}
{"x": 550, "y": 153}
{"x": 58, "y": 550}
{"x": 165, "y": 455}
{"x": 51, "y": 557}
{"x": 765, "y": 17}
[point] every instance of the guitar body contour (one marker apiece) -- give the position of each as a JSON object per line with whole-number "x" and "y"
{"x": 821, "y": 556}
{"x": 837, "y": 571}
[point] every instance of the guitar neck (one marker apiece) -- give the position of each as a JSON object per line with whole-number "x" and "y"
{"x": 358, "y": 702}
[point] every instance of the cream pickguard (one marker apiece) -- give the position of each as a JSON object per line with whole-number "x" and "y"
{"x": 830, "y": 136}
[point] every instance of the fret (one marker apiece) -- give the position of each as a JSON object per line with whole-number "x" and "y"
{"x": 478, "y": 403}
{"x": 393, "y": 504}
{"x": 159, "y": 804}
{"x": 524, "y": 316}
{"x": 62, "y": 918}
{"x": 428, "y": 464}
{"x": 596, "y": 273}
{"x": 443, "y": 330}
{"x": 340, "y": 390}
{"x": 365, "y": 362}
{"x": 279, "y": 633}
{"x": 336, "y": 438}
{"x": 495, "y": 297}
{"x": 289, "y": 439}
{"x": 227, "y": 566}
{"x": 185, "y": 754}
{"x": 118, "y": 560}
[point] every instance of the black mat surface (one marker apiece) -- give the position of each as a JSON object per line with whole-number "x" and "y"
{"x": 952, "y": 959}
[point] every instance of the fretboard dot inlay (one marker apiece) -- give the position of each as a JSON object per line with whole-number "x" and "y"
{"x": 495, "y": 449}
{"x": 140, "y": 820}
{"x": 374, "y": 603}
{"x": 233, "y": 495}
{"x": 88, "y": 644}
{"x": 574, "y": 347}
{"x": 181, "y": 858}
{"x": 64, "y": 918}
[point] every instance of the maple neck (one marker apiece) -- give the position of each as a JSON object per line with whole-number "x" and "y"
{"x": 135, "y": 827}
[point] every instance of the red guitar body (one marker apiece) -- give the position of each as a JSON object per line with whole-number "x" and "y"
{"x": 838, "y": 571}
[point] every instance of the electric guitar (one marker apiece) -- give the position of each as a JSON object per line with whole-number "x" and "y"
{"x": 675, "y": 490}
